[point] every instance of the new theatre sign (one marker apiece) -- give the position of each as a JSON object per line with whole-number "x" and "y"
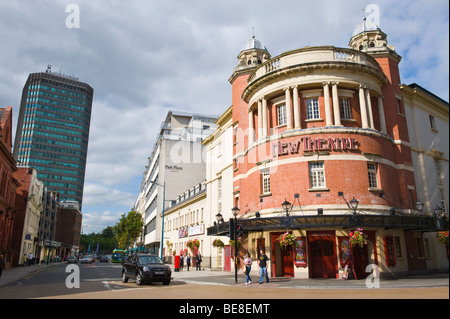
{"x": 309, "y": 144}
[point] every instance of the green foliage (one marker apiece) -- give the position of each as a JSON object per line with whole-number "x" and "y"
{"x": 128, "y": 229}
{"x": 105, "y": 240}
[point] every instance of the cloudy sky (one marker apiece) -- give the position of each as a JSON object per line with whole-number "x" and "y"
{"x": 144, "y": 58}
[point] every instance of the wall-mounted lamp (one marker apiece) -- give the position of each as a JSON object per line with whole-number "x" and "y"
{"x": 353, "y": 205}
{"x": 319, "y": 211}
{"x": 257, "y": 215}
{"x": 420, "y": 206}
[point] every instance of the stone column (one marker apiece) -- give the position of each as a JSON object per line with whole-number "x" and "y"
{"x": 296, "y": 108}
{"x": 264, "y": 119}
{"x": 287, "y": 92}
{"x": 363, "y": 107}
{"x": 336, "y": 106}
{"x": 326, "y": 96}
{"x": 260, "y": 118}
{"x": 369, "y": 109}
{"x": 381, "y": 115}
{"x": 251, "y": 128}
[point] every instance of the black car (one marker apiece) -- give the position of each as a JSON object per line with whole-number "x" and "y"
{"x": 146, "y": 268}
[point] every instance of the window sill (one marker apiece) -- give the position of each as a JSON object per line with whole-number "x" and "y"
{"x": 265, "y": 195}
{"x": 314, "y": 120}
{"x": 374, "y": 189}
{"x": 318, "y": 189}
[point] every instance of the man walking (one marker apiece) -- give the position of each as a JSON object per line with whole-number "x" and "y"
{"x": 198, "y": 259}
{"x": 262, "y": 263}
{"x": 29, "y": 259}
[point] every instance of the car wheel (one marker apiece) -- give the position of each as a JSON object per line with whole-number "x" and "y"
{"x": 139, "y": 278}
{"x": 124, "y": 277}
{"x": 166, "y": 282}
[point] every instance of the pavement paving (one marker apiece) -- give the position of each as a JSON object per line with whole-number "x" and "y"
{"x": 222, "y": 278}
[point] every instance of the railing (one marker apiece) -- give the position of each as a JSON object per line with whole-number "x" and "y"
{"x": 311, "y": 55}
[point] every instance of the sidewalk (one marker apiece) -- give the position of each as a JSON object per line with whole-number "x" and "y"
{"x": 17, "y": 273}
{"x": 216, "y": 277}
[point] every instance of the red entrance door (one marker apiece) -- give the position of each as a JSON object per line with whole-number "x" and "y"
{"x": 282, "y": 258}
{"x": 322, "y": 255}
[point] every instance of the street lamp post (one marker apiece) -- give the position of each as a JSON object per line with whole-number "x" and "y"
{"x": 235, "y": 211}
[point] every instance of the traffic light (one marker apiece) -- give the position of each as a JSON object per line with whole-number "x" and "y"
{"x": 239, "y": 231}
{"x": 231, "y": 229}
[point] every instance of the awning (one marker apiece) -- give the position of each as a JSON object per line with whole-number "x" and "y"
{"x": 350, "y": 221}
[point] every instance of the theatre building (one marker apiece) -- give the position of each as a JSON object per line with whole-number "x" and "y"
{"x": 322, "y": 148}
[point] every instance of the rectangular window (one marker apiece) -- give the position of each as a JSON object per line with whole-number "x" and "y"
{"x": 265, "y": 175}
{"x": 432, "y": 122}
{"x": 219, "y": 195}
{"x": 372, "y": 170}
{"x": 312, "y": 109}
{"x": 346, "y": 111}
{"x": 281, "y": 114}
{"x": 316, "y": 175}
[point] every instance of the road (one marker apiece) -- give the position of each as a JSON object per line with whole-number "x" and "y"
{"x": 102, "y": 281}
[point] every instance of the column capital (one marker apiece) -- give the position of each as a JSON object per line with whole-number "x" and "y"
{"x": 326, "y": 83}
{"x": 334, "y": 83}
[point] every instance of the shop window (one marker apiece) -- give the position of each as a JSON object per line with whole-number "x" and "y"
{"x": 389, "y": 250}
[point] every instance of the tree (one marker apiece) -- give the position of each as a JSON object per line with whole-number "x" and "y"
{"x": 128, "y": 228}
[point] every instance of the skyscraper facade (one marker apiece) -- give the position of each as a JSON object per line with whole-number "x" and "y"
{"x": 53, "y": 131}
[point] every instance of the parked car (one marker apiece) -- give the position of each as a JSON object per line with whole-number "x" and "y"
{"x": 104, "y": 259}
{"x": 72, "y": 260}
{"x": 146, "y": 268}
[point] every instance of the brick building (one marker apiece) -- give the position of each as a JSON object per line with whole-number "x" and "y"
{"x": 68, "y": 228}
{"x": 322, "y": 148}
{"x": 8, "y": 185}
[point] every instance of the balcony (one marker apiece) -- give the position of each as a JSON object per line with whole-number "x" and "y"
{"x": 312, "y": 55}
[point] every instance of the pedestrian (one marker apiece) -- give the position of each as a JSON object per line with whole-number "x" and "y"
{"x": 29, "y": 258}
{"x": 2, "y": 264}
{"x": 24, "y": 260}
{"x": 198, "y": 258}
{"x": 262, "y": 263}
{"x": 188, "y": 261}
{"x": 248, "y": 267}
{"x": 181, "y": 261}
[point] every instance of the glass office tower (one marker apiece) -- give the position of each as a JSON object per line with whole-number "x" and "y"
{"x": 53, "y": 131}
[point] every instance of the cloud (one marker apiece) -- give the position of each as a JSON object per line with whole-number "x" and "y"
{"x": 144, "y": 58}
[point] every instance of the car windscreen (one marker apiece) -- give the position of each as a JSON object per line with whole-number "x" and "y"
{"x": 150, "y": 260}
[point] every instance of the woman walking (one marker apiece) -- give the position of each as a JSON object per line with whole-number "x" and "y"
{"x": 248, "y": 267}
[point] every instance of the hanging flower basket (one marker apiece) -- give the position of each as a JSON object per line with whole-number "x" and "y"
{"x": 358, "y": 238}
{"x": 218, "y": 243}
{"x": 238, "y": 243}
{"x": 193, "y": 243}
{"x": 442, "y": 237}
{"x": 286, "y": 240}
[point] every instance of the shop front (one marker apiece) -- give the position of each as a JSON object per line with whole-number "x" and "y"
{"x": 322, "y": 246}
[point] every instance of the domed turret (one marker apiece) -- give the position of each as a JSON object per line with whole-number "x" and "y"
{"x": 253, "y": 43}
{"x": 367, "y": 35}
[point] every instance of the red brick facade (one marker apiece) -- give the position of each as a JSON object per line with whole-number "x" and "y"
{"x": 8, "y": 185}
{"x": 318, "y": 127}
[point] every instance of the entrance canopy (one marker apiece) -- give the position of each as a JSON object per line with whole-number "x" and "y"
{"x": 423, "y": 223}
